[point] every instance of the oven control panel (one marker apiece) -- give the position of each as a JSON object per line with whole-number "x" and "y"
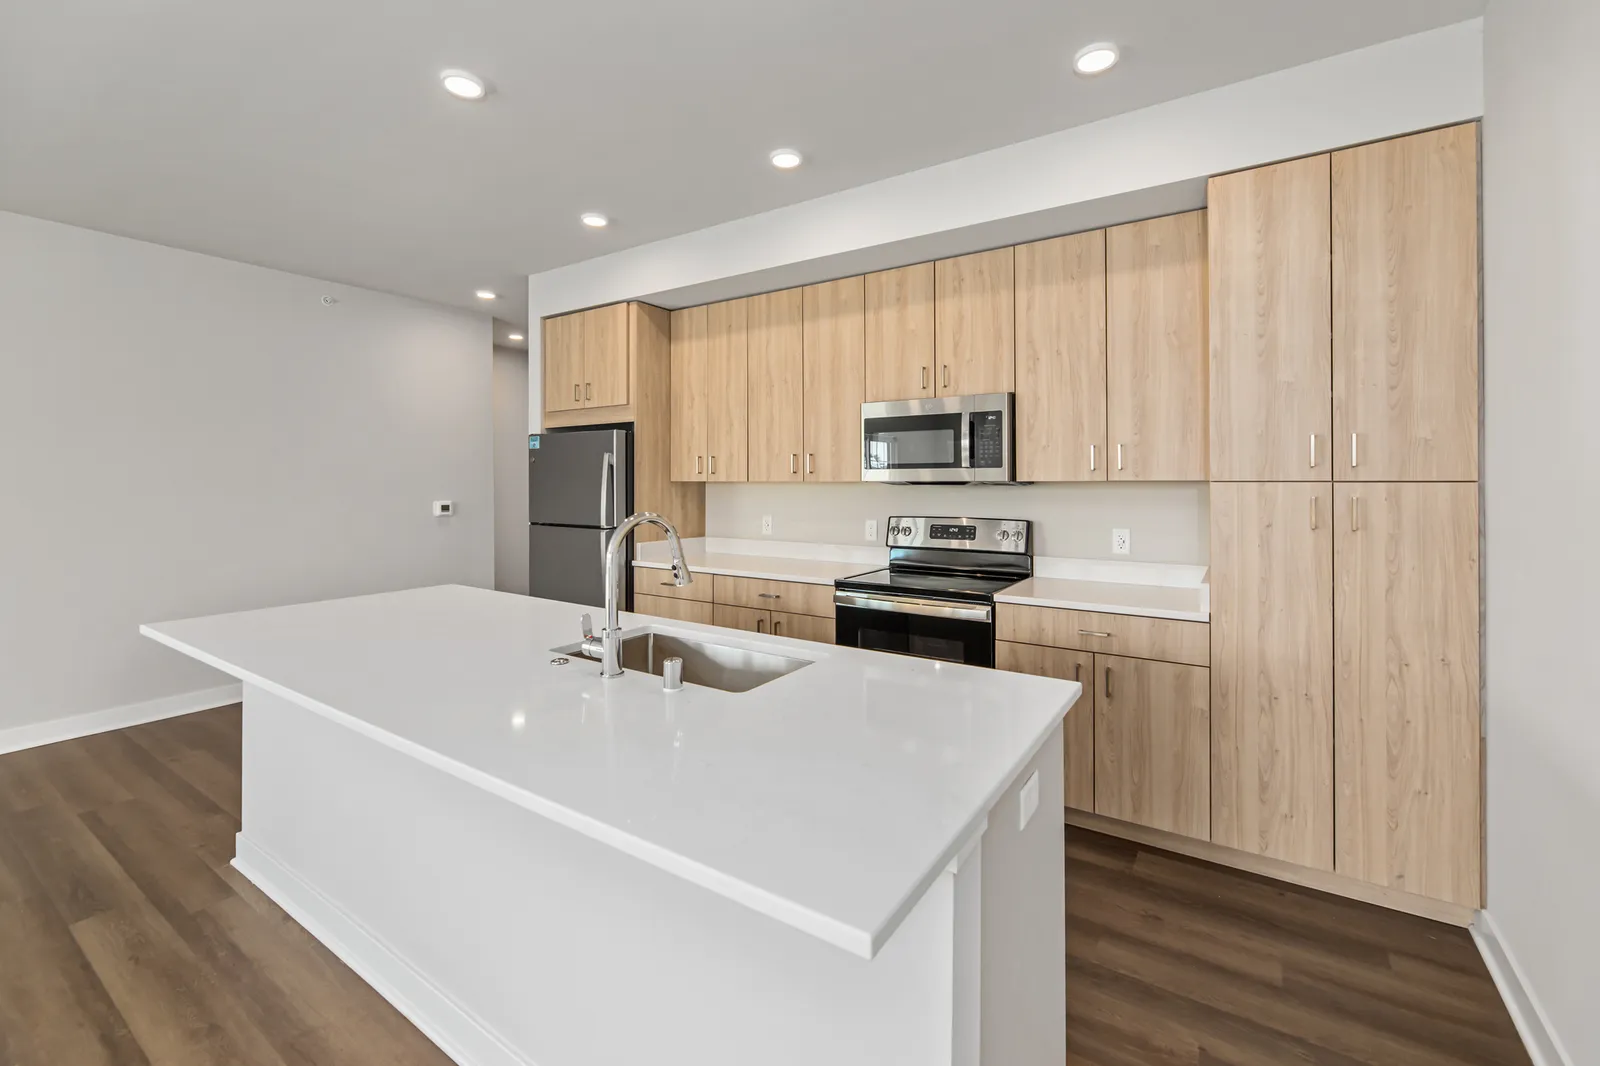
{"x": 967, "y": 534}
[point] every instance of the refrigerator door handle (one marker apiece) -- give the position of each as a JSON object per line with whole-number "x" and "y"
{"x": 608, "y": 470}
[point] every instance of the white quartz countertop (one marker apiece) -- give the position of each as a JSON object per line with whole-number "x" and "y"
{"x": 1154, "y": 590}
{"x": 828, "y": 799}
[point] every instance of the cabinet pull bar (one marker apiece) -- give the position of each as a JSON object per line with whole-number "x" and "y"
{"x": 758, "y": 625}
{"x": 924, "y": 377}
{"x": 699, "y": 464}
{"x": 1313, "y": 512}
{"x": 577, "y": 392}
{"x": 713, "y": 464}
{"x": 947, "y": 375}
{"x": 794, "y": 460}
{"x": 1354, "y": 524}
{"x": 775, "y": 624}
{"x": 1108, "y": 682}
{"x": 769, "y": 595}
{"x": 809, "y": 457}
{"x": 1091, "y": 458}
{"x": 1119, "y": 457}
{"x": 1092, "y": 633}
{"x": 1352, "y": 451}
{"x": 1077, "y": 672}
{"x": 667, "y": 584}
{"x": 588, "y": 391}
{"x": 1313, "y": 455}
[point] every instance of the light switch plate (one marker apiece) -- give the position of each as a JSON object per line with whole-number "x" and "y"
{"x": 1121, "y": 542}
{"x": 872, "y": 529}
{"x": 766, "y": 524}
{"x": 1030, "y": 799}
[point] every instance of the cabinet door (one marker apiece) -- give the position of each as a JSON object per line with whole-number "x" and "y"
{"x": 777, "y": 415}
{"x": 1152, "y": 744}
{"x": 563, "y": 363}
{"x": 1405, "y": 308}
{"x": 746, "y": 618}
{"x": 667, "y": 607}
{"x": 899, "y": 333}
{"x": 1061, "y": 359}
{"x": 1272, "y": 670}
{"x": 1156, "y": 385}
{"x": 802, "y": 627}
{"x": 605, "y": 356}
{"x": 727, "y": 380}
{"x": 835, "y": 370}
{"x": 1405, "y": 697}
{"x": 975, "y": 313}
{"x": 1271, "y": 340}
{"x": 691, "y": 398}
{"x": 1078, "y": 730}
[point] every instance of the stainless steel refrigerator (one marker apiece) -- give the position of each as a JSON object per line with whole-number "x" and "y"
{"x": 580, "y": 488}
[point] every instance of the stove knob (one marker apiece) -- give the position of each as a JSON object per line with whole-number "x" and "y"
{"x": 1005, "y": 534}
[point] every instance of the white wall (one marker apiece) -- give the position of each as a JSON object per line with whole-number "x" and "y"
{"x": 1142, "y": 163}
{"x": 182, "y": 435}
{"x": 1169, "y": 522}
{"x": 511, "y": 470}
{"x": 1542, "y": 501}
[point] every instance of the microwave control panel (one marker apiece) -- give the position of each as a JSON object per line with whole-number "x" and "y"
{"x": 988, "y": 439}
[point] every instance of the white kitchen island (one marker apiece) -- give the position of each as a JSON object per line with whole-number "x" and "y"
{"x": 543, "y": 868}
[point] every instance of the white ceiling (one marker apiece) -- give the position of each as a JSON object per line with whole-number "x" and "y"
{"x": 313, "y": 136}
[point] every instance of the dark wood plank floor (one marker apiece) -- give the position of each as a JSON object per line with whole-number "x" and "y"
{"x": 126, "y": 938}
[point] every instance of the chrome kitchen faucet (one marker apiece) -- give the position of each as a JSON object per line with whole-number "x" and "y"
{"x": 608, "y": 646}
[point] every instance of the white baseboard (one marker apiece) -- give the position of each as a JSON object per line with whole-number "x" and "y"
{"x": 1538, "y": 1036}
{"x": 38, "y": 734}
{"x": 457, "y": 1032}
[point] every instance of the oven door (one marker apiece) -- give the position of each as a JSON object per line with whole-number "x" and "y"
{"x": 946, "y": 439}
{"x": 955, "y": 631}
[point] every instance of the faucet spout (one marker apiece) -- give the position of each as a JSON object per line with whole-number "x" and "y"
{"x": 610, "y": 641}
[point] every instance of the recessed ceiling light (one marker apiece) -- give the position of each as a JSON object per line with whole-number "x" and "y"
{"x": 516, "y": 336}
{"x": 1095, "y": 58}
{"x": 463, "y": 85}
{"x": 785, "y": 158}
{"x": 485, "y": 294}
{"x": 594, "y": 219}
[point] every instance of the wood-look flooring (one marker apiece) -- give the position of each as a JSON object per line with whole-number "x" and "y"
{"x": 126, "y": 938}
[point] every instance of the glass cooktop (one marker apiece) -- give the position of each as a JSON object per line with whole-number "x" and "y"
{"x": 927, "y": 582}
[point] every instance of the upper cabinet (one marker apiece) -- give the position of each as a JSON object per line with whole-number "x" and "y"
{"x": 1405, "y": 308}
{"x": 727, "y": 391}
{"x": 899, "y": 334}
{"x": 1156, "y": 387}
{"x": 974, "y": 310}
{"x": 834, "y": 345}
{"x": 691, "y": 395}
{"x": 587, "y": 360}
{"x": 776, "y": 407}
{"x": 1271, "y": 346}
{"x": 1061, "y": 358}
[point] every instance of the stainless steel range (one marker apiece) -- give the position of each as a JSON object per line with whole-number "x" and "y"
{"x": 936, "y": 598}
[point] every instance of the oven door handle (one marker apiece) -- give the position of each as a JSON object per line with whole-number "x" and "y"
{"x": 911, "y": 605}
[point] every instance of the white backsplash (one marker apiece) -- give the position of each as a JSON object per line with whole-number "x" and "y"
{"x": 1168, "y": 521}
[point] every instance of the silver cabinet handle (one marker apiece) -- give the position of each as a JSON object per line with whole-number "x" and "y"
{"x": 713, "y": 464}
{"x": 1352, "y": 451}
{"x": 769, "y": 595}
{"x": 668, "y": 584}
{"x": 1091, "y": 458}
{"x": 577, "y": 392}
{"x": 1355, "y": 524}
{"x": 1313, "y": 512}
{"x": 810, "y": 456}
{"x": 794, "y": 463}
{"x": 1092, "y": 633}
{"x": 1313, "y": 455}
{"x": 924, "y": 377}
{"x": 588, "y": 391}
{"x": 1119, "y": 457}
{"x": 699, "y": 464}
{"x": 608, "y": 469}
{"x": 1108, "y": 682}
{"x": 947, "y": 375}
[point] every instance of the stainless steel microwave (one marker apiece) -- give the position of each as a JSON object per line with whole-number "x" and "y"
{"x": 954, "y": 439}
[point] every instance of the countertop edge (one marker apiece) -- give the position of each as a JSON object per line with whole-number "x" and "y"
{"x": 751, "y": 572}
{"x": 856, "y": 941}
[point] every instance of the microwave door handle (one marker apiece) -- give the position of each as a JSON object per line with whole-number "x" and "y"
{"x": 966, "y": 441}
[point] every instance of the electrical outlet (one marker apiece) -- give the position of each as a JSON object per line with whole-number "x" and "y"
{"x": 1121, "y": 542}
{"x": 443, "y": 508}
{"x": 1030, "y": 800}
{"x": 766, "y": 524}
{"x": 872, "y": 529}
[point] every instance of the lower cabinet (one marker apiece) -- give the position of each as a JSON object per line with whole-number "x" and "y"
{"x": 665, "y": 607}
{"x": 750, "y": 619}
{"x": 1078, "y": 738}
{"x": 750, "y": 604}
{"x": 1152, "y": 754}
{"x": 802, "y": 627}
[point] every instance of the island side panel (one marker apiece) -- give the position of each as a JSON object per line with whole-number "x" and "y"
{"x": 511, "y": 940}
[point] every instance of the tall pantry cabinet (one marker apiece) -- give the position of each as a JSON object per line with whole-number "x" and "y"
{"x": 1344, "y": 514}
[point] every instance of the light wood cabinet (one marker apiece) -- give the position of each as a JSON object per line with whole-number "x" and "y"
{"x": 691, "y": 394}
{"x": 727, "y": 390}
{"x": 1405, "y": 308}
{"x": 586, "y": 359}
{"x": 652, "y": 581}
{"x": 899, "y": 334}
{"x": 833, "y": 315}
{"x": 1152, "y": 744}
{"x": 667, "y": 607}
{"x": 748, "y": 619}
{"x": 802, "y": 627}
{"x": 974, "y": 328}
{"x": 795, "y": 597}
{"x": 1407, "y": 725}
{"x": 1061, "y": 359}
{"x": 1268, "y": 234}
{"x": 1156, "y": 340}
{"x": 776, "y": 383}
{"x": 1272, "y": 670}
{"x": 1118, "y": 634}
{"x": 1078, "y": 730}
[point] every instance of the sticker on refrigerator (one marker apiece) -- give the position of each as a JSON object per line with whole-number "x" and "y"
{"x": 533, "y": 442}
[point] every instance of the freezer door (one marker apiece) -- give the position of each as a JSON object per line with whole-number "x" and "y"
{"x": 579, "y": 478}
{"x": 569, "y": 563}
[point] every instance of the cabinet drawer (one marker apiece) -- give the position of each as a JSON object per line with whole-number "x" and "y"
{"x": 1116, "y": 634}
{"x": 749, "y": 619}
{"x": 1077, "y": 789}
{"x": 648, "y": 581}
{"x": 682, "y": 610}
{"x": 792, "y": 597}
{"x": 802, "y": 627}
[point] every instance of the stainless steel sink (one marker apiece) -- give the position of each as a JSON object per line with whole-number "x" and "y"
{"x": 719, "y": 666}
